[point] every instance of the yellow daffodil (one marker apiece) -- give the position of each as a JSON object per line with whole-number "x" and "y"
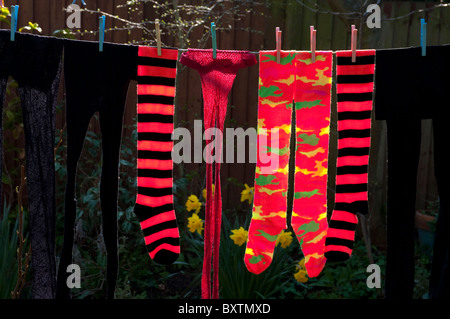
{"x": 204, "y": 191}
{"x": 284, "y": 238}
{"x": 195, "y": 224}
{"x": 301, "y": 264}
{"x": 193, "y": 204}
{"x": 300, "y": 276}
{"x": 247, "y": 194}
{"x": 239, "y": 236}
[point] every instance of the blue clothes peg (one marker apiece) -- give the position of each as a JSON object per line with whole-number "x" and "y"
{"x": 82, "y": 1}
{"x": 14, "y": 17}
{"x": 102, "y": 33}
{"x": 214, "y": 43}
{"x": 423, "y": 36}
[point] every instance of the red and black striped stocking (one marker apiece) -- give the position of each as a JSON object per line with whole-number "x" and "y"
{"x": 155, "y": 108}
{"x": 354, "y": 88}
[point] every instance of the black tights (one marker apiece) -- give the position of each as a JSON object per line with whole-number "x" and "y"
{"x": 411, "y": 87}
{"x": 404, "y": 136}
{"x": 35, "y": 63}
{"x": 440, "y": 270}
{"x": 95, "y": 82}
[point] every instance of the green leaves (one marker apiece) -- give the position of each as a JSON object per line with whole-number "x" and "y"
{"x": 8, "y": 246}
{"x": 31, "y": 27}
{"x": 4, "y": 15}
{"x": 8, "y": 252}
{"x": 126, "y": 219}
{"x": 236, "y": 282}
{"x": 64, "y": 33}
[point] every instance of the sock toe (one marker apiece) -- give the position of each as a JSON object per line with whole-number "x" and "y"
{"x": 336, "y": 256}
{"x": 165, "y": 257}
{"x": 257, "y": 263}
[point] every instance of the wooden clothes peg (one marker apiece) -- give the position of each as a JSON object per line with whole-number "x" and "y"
{"x": 14, "y": 18}
{"x": 354, "y": 41}
{"x": 278, "y": 43}
{"x": 423, "y": 36}
{"x": 313, "y": 43}
{"x": 158, "y": 36}
{"x": 101, "y": 33}
{"x": 214, "y": 41}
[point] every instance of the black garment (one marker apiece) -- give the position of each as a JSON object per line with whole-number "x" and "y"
{"x": 35, "y": 63}
{"x": 410, "y": 88}
{"x": 440, "y": 270}
{"x": 407, "y": 82}
{"x": 95, "y": 82}
{"x": 404, "y": 135}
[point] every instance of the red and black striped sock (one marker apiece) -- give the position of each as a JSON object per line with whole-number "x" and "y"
{"x": 354, "y": 88}
{"x": 155, "y": 108}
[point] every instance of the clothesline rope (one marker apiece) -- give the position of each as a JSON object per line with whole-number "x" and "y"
{"x": 185, "y": 50}
{"x": 258, "y": 52}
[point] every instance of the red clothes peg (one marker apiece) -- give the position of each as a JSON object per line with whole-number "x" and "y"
{"x": 278, "y": 43}
{"x": 313, "y": 43}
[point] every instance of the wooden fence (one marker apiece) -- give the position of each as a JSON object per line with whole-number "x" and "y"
{"x": 255, "y": 30}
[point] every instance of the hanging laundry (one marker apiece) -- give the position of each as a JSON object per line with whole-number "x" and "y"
{"x": 95, "y": 82}
{"x": 155, "y": 108}
{"x": 305, "y": 86}
{"x": 35, "y": 63}
{"x": 217, "y": 77}
{"x": 354, "y": 88}
{"x": 412, "y": 83}
{"x": 411, "y": 87}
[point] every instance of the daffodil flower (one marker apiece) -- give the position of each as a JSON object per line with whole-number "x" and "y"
{"x": 284, "y": 238}
{"x": 300, "y": 276}
{"x": 193, "y": 204}
{"x": 239, "y": 236}
{"x": 301, "y": 264}
{"x": 195, "y": 224}
{"x": 247, "y": 194}
{"x": 204, "y": 191}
